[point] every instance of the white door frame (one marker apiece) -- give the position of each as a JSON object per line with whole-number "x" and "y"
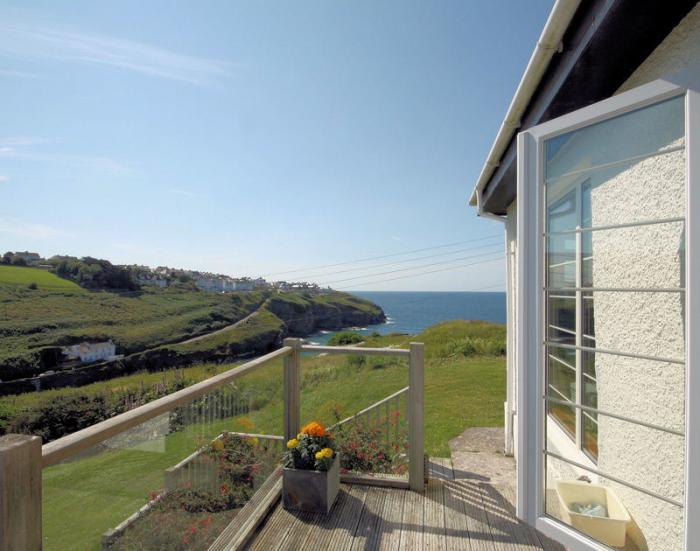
{"x": 530, "y": 302}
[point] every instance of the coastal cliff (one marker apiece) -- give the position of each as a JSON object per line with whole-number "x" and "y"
{"x": 278, "y": 315}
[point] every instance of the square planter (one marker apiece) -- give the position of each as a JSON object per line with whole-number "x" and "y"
{"x": 609, "y": 530}
{"x": 313, "y": 491}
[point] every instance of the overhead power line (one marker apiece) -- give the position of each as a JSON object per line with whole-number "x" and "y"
{"x": 382, "y": 256}
{"x": 420, "y": 274}
{"x": 393, "y": 262}
{"x": 365, "y": 276}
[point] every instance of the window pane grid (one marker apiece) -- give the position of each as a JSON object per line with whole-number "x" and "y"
{"x": 638, "y": 223}
{"x": 613, "y": 290}
{"x": 614, "y": 353}
{"x": 617, "y": 416}
{"x": 615, "y": 163}
{"x": 614, "y": 479}
{"x": 562, "y": 329}
{"x": 563, "y": 397}
{"x": 562, "y": 362}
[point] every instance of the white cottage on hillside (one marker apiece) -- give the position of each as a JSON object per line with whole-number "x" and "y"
{"x": 89, "y": 352}
{"x": 595, "y": 173}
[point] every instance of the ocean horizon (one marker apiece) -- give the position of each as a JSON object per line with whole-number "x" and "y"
{"x": 414, "y": 311}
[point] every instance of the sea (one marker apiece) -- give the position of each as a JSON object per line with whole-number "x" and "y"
{"x": 412, "y": 312}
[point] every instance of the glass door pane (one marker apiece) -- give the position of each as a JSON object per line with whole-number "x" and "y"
{"x": 615, "y": 328}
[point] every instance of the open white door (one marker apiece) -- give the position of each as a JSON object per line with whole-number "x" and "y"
{"x": 609, "y": 328}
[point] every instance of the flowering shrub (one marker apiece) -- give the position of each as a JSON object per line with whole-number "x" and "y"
{"x": 192, "y": 515}
{"x": 364, "y": 447}
{"x": 313, "y": 449}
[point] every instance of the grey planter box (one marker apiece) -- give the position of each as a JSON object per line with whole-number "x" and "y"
{"x": 313, "y": 491}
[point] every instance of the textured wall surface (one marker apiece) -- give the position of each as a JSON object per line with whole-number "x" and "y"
{"x": 680, "y": 49}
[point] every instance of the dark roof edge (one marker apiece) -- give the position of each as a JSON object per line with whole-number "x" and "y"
{"x": 594, "y": 63}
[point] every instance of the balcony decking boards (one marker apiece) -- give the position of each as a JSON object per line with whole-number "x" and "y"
{"x": 451, "y": 514}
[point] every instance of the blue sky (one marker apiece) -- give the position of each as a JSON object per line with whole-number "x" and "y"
{"x": 251, "y": 138}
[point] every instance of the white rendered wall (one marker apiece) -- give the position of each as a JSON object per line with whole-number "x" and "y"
{"x": 658, "y": 387}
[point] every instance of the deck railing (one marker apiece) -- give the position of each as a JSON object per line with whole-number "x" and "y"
{"x": 22, "y": 457}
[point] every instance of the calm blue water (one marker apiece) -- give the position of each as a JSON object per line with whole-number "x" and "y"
{"x": 409, "y": 312}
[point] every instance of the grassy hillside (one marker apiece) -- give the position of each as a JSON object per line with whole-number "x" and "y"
{"x": 470, "y": 385}
{"x": 34, "y": 320}
{"x": 463, "y": 389}
{"x": 13, "y": 276}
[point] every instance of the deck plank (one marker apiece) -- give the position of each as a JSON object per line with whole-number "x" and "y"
{"x": 340, "y": 537}
{"x": 412, "y": 521}
{"x": 469, "y": 494}
{"x": 434, "y": 527}
{"x": 389, "y": 533}
{"x": 319, "y": 537}
{"x": 451, "y": 514}
{"x": 274, "y": 530}
{"x": 366, "y": 532}
{"x": 508, "y": 533}
{"x": 457, "y": 536}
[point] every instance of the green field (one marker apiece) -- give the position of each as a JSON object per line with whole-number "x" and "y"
{"x": 462, "y": 389}
{"x": 13, "y": 276}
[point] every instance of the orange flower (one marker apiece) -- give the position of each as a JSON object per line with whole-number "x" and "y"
{"x": 314, "y": 429}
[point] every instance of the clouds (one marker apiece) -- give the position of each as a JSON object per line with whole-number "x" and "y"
{"x": 18, "y": 227}
{"x": 28, "y": 149}
{"x": 184, "y": 192}
{"x": 22, "y": 41}
{"x": 3, "y": 179}
{"x": 20, "y": 74}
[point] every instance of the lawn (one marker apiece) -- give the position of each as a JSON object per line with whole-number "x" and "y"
{"x": 17, "y": 275}
{"x": 462, "y": 390}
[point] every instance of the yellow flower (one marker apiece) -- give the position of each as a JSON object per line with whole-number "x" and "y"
{"x": 325, "y": 453}
{"x": 293, "y": 443}
{"x": 217, "y": 445}
{"x": 254, "y": 441}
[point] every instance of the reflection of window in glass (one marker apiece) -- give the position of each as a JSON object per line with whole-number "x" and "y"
{"x": 570, "y": 315}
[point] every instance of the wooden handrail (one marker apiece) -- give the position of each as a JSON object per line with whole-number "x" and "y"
{"x": 79, "y": 441}
{"x": 360, "y": 351}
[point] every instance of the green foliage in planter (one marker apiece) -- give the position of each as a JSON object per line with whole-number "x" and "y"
{"x": 312, "y": 450}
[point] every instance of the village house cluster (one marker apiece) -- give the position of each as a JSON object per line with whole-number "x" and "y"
{"x": 164, "y": 276}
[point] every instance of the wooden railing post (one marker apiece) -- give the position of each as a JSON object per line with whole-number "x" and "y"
{"x": 416, "y": 467}
{"x": 20, "y": 492}
{"x": 292, "y": 399}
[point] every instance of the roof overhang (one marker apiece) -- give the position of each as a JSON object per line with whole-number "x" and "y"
{"x": 587, "y": 50}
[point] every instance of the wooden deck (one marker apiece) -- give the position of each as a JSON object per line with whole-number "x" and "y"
{"x": 451, "y": 514}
